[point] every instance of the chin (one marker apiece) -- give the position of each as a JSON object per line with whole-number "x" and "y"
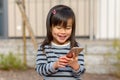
{"x": 62, "y": 42}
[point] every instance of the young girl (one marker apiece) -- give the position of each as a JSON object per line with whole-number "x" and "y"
{"x": 51, "y": 61}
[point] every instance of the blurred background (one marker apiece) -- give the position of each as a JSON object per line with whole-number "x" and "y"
{"x": 23, "y": 27}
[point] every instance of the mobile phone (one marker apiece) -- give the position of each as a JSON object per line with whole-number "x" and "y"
{"x": 75, "y": 50}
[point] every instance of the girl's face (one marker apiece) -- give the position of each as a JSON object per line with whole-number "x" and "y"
{"x": 61, "y": 34}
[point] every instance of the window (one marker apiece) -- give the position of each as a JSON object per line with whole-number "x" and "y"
{"x": 3, "y": 19}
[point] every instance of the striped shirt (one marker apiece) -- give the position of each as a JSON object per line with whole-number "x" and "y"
{"x": 45, "y": 60}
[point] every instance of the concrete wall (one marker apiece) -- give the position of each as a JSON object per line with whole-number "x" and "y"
{"x": 96, "y": 59}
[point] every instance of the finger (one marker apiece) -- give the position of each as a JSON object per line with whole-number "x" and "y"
{"x": 62, "y": 63}
{"x": 61, "y": 66}
{"x": 74, "y": 55}
{"x": 65, "y": 59}
{"x": 71, "y": 59}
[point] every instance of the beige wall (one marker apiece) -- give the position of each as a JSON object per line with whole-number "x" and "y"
{"x": 37, "y": 10}
{"x": 108, "y": 19}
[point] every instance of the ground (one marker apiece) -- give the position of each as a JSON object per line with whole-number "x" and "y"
{"x": 30, "y": 74}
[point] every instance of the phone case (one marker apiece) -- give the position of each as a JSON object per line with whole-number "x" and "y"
{"x": 75, "y": 50}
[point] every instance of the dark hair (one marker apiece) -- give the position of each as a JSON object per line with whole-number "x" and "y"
{"x": 58, "y": 15}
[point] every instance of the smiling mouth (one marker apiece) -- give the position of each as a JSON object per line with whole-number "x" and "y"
{"x": 62, "y": 37}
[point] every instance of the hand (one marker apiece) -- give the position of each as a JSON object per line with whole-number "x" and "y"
{"x": 62, "y": 62}
{"x": 73, "y": 62}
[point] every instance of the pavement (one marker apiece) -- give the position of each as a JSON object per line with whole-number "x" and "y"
{"x": 31, "y": 74}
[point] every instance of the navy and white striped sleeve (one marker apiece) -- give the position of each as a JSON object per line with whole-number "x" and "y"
{"x": 82, "y": 69}
{"x": 42, "y": 67}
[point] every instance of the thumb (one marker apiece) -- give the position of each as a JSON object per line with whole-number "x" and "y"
{"x": 73, "y": 55}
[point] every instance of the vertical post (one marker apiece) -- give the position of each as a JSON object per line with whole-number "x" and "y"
{"x": 91, "y": 20}
{"x": 27, "y": 24}
{"x": 24, "y": 34}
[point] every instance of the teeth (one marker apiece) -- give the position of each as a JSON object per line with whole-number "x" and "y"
{"x": 62, "y": 37}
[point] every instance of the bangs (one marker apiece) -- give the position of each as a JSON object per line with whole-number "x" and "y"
{"x": 61, "y": 18}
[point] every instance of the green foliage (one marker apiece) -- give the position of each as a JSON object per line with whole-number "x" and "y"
{"x": 116, "y": 45}
{"x": 10, "y": 61}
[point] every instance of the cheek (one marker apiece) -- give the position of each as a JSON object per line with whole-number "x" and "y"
{"x": 54, "y": 33}
{"x": 69, "y": 32}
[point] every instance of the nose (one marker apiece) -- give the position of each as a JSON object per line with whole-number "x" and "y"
{"x": 63, "y": 30}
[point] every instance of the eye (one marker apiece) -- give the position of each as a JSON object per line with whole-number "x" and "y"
{"x": 68, "y": 27}
{"x": 58, "y": 27}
